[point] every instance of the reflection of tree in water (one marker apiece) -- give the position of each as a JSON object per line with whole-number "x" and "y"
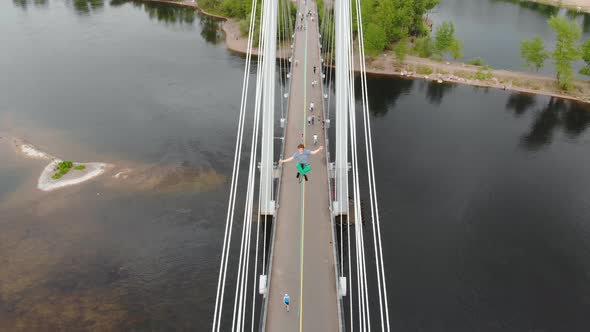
{"x": 383, "y": 92}
{"x": 520, "y": 102}
{"x": 24, "y": 4}
{"x": 169, "y": 14}
{"x": 572, "y": 117}
{"x": 586, "y": 23}
{"x": 85, "y": 7}
{"x": 161, "y": 12}
{"x": 545, "y": 10}
{"x": 210, "y": 29}
{"x": 436, "y": 91}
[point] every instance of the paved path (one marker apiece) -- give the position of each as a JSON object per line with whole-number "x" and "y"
{"x": 303, "y": 262}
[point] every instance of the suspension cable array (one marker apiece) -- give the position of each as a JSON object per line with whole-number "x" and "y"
{"x": 338, "y": 71}
{"x": 337, "y": 30}
{"x": 263, "y": 105}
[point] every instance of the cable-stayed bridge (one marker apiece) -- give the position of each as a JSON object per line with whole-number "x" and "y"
{"x": 309, "y": 239}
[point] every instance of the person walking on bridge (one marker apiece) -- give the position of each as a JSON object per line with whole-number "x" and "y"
{"x": 287, "y": 301}
{"x": 302, "y": 157}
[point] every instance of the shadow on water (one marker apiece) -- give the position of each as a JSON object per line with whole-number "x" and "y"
{"x": 571, "y": 117}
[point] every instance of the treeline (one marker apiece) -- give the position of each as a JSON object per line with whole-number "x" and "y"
{"x": 240, "y": 10}
{"x": 400, "y": 25}
{"x": 389, "y": 21}
{"x": 567, "y": 49}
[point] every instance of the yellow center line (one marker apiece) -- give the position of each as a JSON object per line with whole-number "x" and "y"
{"x": 303, "y": 186}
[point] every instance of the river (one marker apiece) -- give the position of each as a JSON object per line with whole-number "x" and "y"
{"x": 484, "y": 193}
{"x": 493, "y": 29}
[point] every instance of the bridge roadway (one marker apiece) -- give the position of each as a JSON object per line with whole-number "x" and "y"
{"x": 303, "y": 257}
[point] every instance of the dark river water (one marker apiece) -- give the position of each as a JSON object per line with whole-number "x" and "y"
{"x": 484, "y": 194}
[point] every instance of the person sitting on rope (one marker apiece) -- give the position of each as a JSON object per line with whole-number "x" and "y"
{"x": 302, "y": 157}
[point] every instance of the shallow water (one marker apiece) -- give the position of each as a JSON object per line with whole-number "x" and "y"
{"x": 483, "y": 192}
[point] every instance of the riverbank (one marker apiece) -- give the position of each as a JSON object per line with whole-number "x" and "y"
{"x": 234, "y": 40}
{"x": 458, "y": 72}
{"x": 577, "y": 5}
{"x": 422, "y": 68}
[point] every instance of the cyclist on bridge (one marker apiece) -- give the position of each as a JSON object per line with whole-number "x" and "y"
{"x": 302, "y": 157}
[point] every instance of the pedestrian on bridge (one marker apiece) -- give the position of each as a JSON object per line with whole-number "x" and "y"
{"x": 302, "y": 157}
{"x": 315, "y": 139}
{"x": 287, "y": 301}
{"x": 311, "y": 105}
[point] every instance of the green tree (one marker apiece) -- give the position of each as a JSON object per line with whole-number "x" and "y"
{"x": 424, "y": 47}
{"x": 445, "y": 41}
{"x": 374, "y": 39}
{"x": 566, "y": 51}
{"x": 586, "y": 57}
{"x": 418, "y": 8}
{"x": 533, "y": 52}
{"x": 456, "y": 49}
{"x": 401, "y": 50}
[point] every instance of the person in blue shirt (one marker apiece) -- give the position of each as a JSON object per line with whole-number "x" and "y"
{"x": 302, "y": 158}
{"x": 287, "y": 300}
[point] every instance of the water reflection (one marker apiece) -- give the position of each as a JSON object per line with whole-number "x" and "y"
{"x": 573, "y": 118}
{"x": 548, "y": 11}
{"x": 210, "y": 29}
{"x": 520, "y": 102}
{"x": 384, "y": 93}
{"x": 24, "y": 4}
{"x": 543, "y": 9}
{"x": 436, "y": 91}
{"x": 165, "y": 13}
{"x": 86, "y": 7}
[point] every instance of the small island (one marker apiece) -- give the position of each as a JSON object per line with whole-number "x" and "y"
{"x": 62, "y": 173}
{"x": 59, "y": 173}
{"x": 63, "y": 167}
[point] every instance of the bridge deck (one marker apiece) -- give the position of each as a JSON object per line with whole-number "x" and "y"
{"x": 303, "y": 262}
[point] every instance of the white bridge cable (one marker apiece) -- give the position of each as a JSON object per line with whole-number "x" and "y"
{"x": 358, "y": 222}
{"x": 242, "y": 282}
{"x": 234, "y": 182}
{"x": 283, "y": 65}
{"x": 371, "y": 178}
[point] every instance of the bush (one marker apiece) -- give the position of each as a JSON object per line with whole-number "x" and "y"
{"x": 476, "y": 62}
{"x": 80, "y": 167}
{"x": 63, "y": 168}
{"x": 423, "y": 47}
{"x": 375, "y": 39}
{"x": 423, "y": 70}
{"x": 482, "y": 75}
